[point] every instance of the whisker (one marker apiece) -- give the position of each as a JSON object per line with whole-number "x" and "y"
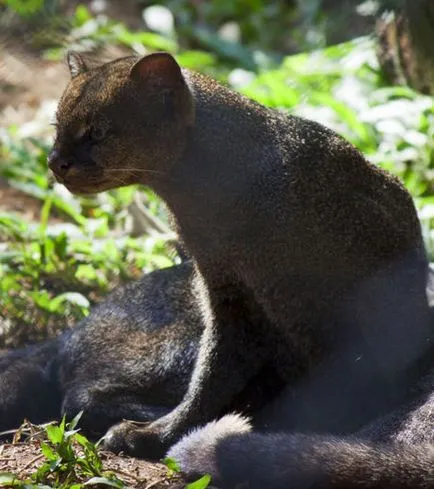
{"x": 135, "y": 170}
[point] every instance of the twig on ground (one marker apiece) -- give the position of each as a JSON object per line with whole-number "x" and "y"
{"x": 29, "y": 464}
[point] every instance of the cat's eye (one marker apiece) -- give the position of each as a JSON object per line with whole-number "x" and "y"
{"x": 98, "y": 133}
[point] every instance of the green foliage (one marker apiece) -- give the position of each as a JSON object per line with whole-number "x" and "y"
{"x": 79, "y": 246}
{"x": 71, "y": 462}
{"x": 232, "y": 30}
{"x": 46, "y": 274}
{"x": 205, "y": 23}
{"x": 25, "y": 7}
{"x": 172, "y": 466}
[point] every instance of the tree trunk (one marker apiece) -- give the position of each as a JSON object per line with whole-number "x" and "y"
{"x": 406, "y": 45}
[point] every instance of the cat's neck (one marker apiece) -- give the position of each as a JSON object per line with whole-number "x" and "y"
{"x": 228, "y": 149}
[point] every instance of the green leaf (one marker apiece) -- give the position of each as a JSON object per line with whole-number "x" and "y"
{"x": 13, "y": 225}
{"x": 74, "y": 422}
{"x": 172, "y": 464}
{"x": 195, "y": 60}
{"x": 234, "y": 51}
{"x": 45, "y": 214}
{"x": 105, "y": 481}
{"x": 8, "y": 479}
{"x": 60, "y": 245}
{"x": 84, "y": 442}
{"x": 25, "y": 7}
{"x": 74, "y": 298}
{"x": 149, "y": 39}
{"x": 30, "y": 189}
{"x": 42, "y": 299}
{"x": 68, "y": 209}
{"x": 201, "y": 483}
{"x": 160, "y": 261}
{"x": 49, "y": 453}
{"x": 55, "y": 434}
{"x": 82, "y": 15}
{"x": 111, "y": 250}
{"x": 86, "y": 272}
{"x": 54, "y": 54}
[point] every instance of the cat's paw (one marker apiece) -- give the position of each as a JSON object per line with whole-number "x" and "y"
{"x": 136, "y": 440}
{"x": 195, "y": 453}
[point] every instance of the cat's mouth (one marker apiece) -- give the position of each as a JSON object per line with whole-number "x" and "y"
{"x": 84, "y": 184}
{"x": 85, "y": 189}
{"x": 91, "y": 182}
{"x": 78, "y": 177}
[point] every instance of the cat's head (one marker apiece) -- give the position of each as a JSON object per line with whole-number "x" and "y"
{"x": 120, "y": 123}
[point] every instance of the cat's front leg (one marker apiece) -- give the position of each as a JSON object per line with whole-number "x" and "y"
{"x": 230, "y": 353}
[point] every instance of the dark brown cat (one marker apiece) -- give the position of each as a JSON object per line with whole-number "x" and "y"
{"x": 309, "y": 260}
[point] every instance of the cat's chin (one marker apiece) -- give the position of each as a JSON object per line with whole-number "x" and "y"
{"x": 87, "y": 190}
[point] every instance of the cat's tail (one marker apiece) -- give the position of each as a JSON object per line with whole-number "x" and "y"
{"x": 235, "y": 457}
{"x": 29, "y": 387}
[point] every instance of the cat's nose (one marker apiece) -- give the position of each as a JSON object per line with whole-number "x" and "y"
{"x": 57, "y": 164}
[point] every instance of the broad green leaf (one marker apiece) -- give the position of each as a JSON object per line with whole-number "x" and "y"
{"x": 54, "y": 433}
{"x": 201, "y": 483}
{"x": 49, "y": 453}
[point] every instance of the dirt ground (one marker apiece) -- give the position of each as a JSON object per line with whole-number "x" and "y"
{"x": 23, "y": 459}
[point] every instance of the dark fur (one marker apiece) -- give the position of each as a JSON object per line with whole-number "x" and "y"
{"x": 28, "y": 385}
{"x": 131, "y": 358}
{"x": 309, "y": 261}
{"x": 161, "y": 302}
{"x": 394, "y": 452}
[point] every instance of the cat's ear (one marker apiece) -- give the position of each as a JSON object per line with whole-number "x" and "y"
{"x": 76, "y": 63}
{"x": 159, "y": 69}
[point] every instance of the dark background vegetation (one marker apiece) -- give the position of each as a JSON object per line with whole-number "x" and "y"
{"x": 343, "y": 63}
